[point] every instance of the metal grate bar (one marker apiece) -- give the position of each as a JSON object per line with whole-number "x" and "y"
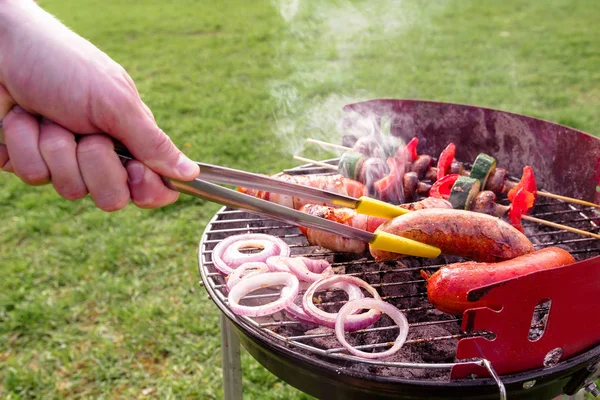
{"x": 408, "y": 342}
{"x": 379, "y": 329}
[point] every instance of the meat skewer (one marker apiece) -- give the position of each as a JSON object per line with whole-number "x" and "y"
{"x": 499, "y": 211}
{"x": 432, "y": 170}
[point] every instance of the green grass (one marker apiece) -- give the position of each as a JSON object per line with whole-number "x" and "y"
{"x": 96, "y": 305}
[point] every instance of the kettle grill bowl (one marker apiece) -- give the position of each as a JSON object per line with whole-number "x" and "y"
{"x": 566, "y": 162}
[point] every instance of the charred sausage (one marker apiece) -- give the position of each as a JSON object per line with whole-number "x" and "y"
{"x": 447, "y": 289}
{"x": 350, "y": 217}
{"x": 346, "y": 216}
{"x": 468, "y": 234}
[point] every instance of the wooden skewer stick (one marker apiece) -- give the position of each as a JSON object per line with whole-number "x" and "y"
{"x": 318, "y": 163}
{"x": 567, "y": 199}
{"x": 525, "y": 217}
{"x": 327, "y": 144}
{"x": 539, "y": 193}
{"x": 560, "y": 226}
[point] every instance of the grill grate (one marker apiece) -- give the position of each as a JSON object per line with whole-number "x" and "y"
{"x": 433, "y": 336}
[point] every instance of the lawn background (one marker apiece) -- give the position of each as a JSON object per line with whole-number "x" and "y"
{"x": 97, "y": 305}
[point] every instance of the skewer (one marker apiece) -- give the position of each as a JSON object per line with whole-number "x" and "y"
{"x": 318, "y": 163}
{"x": 332, "y": 145}
{"x": 539, "y": 193}
{"x": 567, "y": 199}
{"x": 560, "y": 226}
{"x": 525, "y": 217}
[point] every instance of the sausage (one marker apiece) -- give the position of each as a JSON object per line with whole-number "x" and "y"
{"x": 332, "y": 183}
{"x": 463, "y": 233}
{"x": 447, "y": 289}
{"x": 346, "y": 216}
{"x": 350, "y": 217}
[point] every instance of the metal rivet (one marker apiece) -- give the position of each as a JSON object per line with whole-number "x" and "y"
{"x": 529, "y": 384}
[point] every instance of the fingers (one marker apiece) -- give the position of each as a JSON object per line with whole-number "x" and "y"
{"x": 59, "y": 150}
{"x": 126, "y": 118}
{"x": 102, "y": 172}
{"x": 21, "y": 135}
{"x": 3, "y": 156}
{"x": 6, "y": 102}
{"x": 147, "y": 188}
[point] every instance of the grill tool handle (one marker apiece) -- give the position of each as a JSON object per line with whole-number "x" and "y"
{"x": 231, "y": 198}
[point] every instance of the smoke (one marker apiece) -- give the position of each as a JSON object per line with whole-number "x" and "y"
{"x": 323, "y": 48}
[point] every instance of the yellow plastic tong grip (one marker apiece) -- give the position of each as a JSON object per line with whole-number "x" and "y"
{"x": 378, "y": 208}
{"x": 398, "y": 244}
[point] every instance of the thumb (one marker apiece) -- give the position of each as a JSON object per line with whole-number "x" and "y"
{"x": 133, "y": 125}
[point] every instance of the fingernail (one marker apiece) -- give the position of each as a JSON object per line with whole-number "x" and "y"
{"x": 186, "y": 167}
{"x": 135, "y": 172}
{"x": 18, "y": 110}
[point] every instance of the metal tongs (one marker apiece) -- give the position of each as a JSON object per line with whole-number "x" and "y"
{"x": 205, "y": 187}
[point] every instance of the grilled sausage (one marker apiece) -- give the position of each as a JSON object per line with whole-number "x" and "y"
{"x": 332, "y": 183}
{"x": 346, "y": 216}
{"x": 447, "y": 289}
{"x": 350, "y": 217}
{"x": 468, "y": 234}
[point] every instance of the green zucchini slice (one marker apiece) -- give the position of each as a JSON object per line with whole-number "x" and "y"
{"x": 482, "y": 168}
{"x": 350, "y": 163}
{"x": 463, "y": 192}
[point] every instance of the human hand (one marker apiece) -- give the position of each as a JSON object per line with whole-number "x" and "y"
{"x": 47, "y": 70}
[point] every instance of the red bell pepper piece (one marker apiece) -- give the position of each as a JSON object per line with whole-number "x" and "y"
{"x": 411, "y": 149}
{"x": 445, "y": 160}
{"x": 389, "y": 188}
{"x": 522, "y": 202}
{"x": 442, "y": 187}
{"x": 527, "y": 182}
{"x": 407, "y": 153}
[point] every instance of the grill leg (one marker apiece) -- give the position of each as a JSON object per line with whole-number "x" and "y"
{"x": 231, "y": 362}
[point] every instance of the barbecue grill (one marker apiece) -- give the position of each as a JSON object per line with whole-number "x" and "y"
{"x": 444, "y": 356}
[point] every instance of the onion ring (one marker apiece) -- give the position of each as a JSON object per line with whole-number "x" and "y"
{"x": 261, "y": 281}
{"x": 396, "y": 315}
{"x": 353, "y": 322}
{"x": 299, "y": 314}
{"x": 245, "y": 270}
{"x": 308, "y": 270}
{"x": 226, "y": 255}
{"x": 277, "y": 264}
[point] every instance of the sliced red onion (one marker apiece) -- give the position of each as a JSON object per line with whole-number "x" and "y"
{"x": 309, "y": 270}
{"x": 298, "y": 312}
{"x": 353, "y": 322}
{"x": 373, "y": 304}
{"x": 277, "y": 264}
{"x": 226, "y": 255}
{"x": 261, "y": 281}
{"x": 246, "y": 270}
